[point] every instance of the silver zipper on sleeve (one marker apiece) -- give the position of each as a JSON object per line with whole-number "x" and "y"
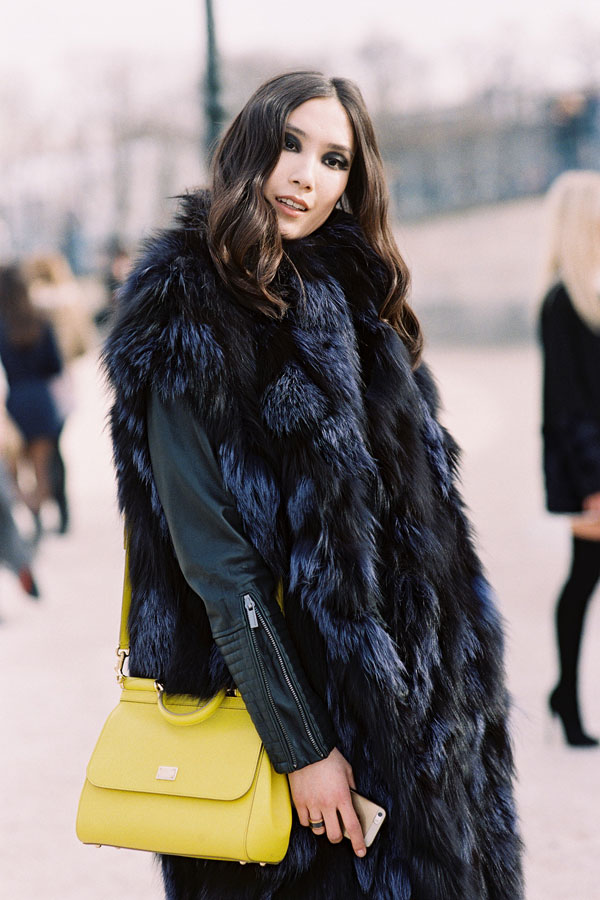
{"x": 254, "y": 616}
{"x": 250, "y": 610}
{"x": 253, "y": 620}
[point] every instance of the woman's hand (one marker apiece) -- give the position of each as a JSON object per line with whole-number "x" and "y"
{"x": 592, "y": 503}
{"x": 321, "y": 791}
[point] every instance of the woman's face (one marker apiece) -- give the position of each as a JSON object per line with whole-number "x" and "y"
{"x": 312, "y": 172}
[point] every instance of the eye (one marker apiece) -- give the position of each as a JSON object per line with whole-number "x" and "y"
{"x": 334, "y": 161}
{"x": 290, "y": 142}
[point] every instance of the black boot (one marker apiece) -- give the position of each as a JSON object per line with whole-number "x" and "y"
{"x": 58, "y": 482}
{"x": 570, "y": 616}
{"x": 563, "y": 703}
{"x": 63, "y": 511}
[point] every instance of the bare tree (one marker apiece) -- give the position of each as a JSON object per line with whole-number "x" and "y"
{"x": 396, "y": 79}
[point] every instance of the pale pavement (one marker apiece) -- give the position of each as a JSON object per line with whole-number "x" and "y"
{"x": 57, "y": 655}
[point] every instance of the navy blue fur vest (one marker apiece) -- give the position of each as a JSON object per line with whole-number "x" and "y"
{"x": 345, "y": 483}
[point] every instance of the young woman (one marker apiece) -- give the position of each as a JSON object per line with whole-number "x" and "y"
{"x": 31, "y": 358}
{"x": 55, "y": 290}
{"x": 272, "y": 423}
{"x": 570, "y": 331}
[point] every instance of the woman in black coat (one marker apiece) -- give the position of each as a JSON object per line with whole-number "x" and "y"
{"x": 570, "y": 333}
{"x": 273, "y": 424}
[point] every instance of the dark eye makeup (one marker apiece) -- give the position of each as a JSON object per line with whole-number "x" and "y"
{"x": 331, "y": 160}
{"x": 290, "y": 142}
{"x": 335, "y": 161}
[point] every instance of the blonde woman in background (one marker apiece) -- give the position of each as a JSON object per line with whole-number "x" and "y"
{"x": 570, "y": 333}
{"x": 55, "y": 290}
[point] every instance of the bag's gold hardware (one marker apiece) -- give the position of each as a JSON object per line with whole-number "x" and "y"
{"x": 242, "y": 862}
{"x": 122, "y": 655}
{"x": 262, "y": 864}
{"x": 167, "y": 773}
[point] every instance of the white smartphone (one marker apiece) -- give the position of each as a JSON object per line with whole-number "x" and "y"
{"x": 370, "y": 815}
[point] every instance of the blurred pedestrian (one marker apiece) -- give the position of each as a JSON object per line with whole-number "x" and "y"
{"x": 31, "y": 358}
{"x": 273, "y": 425}
{"x": 15, "y": 552}
{"x": 117, "y": 268}
{"x": 56, "y": 293}
{"x": 570, "y": 333}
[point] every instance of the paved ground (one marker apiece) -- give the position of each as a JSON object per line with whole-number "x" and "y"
{"x": 57, "y": 655}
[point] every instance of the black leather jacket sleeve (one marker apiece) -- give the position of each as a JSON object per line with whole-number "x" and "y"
{"x": 237, "y": 588}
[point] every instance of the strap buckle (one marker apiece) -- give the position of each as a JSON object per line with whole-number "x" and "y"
{"x": 122, "y": 655}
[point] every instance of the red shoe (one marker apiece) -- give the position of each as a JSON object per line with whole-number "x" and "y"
{"x": 28, "y": 582}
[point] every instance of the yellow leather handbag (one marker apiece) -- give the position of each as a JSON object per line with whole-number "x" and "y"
{"x": 178, "y": 776}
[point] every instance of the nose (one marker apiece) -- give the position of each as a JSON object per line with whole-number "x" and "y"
{"x": 303, "y": 173}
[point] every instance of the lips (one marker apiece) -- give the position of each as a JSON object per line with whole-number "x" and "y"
{"x": 293, "y": 203}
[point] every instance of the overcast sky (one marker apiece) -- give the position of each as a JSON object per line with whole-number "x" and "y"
{"x": 37, "y": 36}
{"x": 33, "y": 27}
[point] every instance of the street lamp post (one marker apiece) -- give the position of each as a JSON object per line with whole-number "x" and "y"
{"x": 212, "y": 105}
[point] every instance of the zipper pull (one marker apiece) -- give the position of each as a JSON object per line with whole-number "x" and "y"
{"x": 250, "y": 611}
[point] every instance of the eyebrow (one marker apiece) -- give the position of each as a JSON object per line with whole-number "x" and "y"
{"x": 303, "y": 134}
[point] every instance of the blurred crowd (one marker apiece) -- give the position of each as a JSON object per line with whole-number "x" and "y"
{"x": 47, "y": 321}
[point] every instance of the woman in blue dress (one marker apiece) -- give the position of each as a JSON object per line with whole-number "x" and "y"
{"x": 31, "y": 358}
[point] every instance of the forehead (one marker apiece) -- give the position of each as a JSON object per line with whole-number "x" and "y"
{"x": 323, "y": 119}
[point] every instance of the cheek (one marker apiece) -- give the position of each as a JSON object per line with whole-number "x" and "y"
{"x": 273, "y": 178}
{"x": 335, "y": 189}
{"x": 281, "y": 171}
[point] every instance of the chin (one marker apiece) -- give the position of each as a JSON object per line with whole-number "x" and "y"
{"x": 291, "y": 231}
{"x": 292, "y": 234}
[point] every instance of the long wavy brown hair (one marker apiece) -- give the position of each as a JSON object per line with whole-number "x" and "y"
{"x": 22, "y": 321}
{"x": 244, "y": 238}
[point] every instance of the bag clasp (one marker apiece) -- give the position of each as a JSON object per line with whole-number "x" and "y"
{"x": 122, "y": 655}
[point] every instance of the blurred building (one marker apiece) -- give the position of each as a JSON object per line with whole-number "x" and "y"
{"x": 73, "y": 198}
{"x": 496, "y": 149}
{"x": 118, "y": 178}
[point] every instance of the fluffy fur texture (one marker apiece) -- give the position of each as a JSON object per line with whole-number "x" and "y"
{"x": 345, "y": 483}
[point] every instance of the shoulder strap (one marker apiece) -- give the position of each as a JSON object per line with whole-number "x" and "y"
{"x": 126, "y": 602}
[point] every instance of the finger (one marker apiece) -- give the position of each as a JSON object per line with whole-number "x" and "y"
{"x": 332, "y": 825}
{"x": 315, "y": 816}
{"x": 352, "y": 826}
{"x": 351, "y": 780}
{"x": 302, "y": 812}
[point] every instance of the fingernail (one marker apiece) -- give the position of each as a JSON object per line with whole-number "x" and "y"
{"x": 362, "y": 852}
